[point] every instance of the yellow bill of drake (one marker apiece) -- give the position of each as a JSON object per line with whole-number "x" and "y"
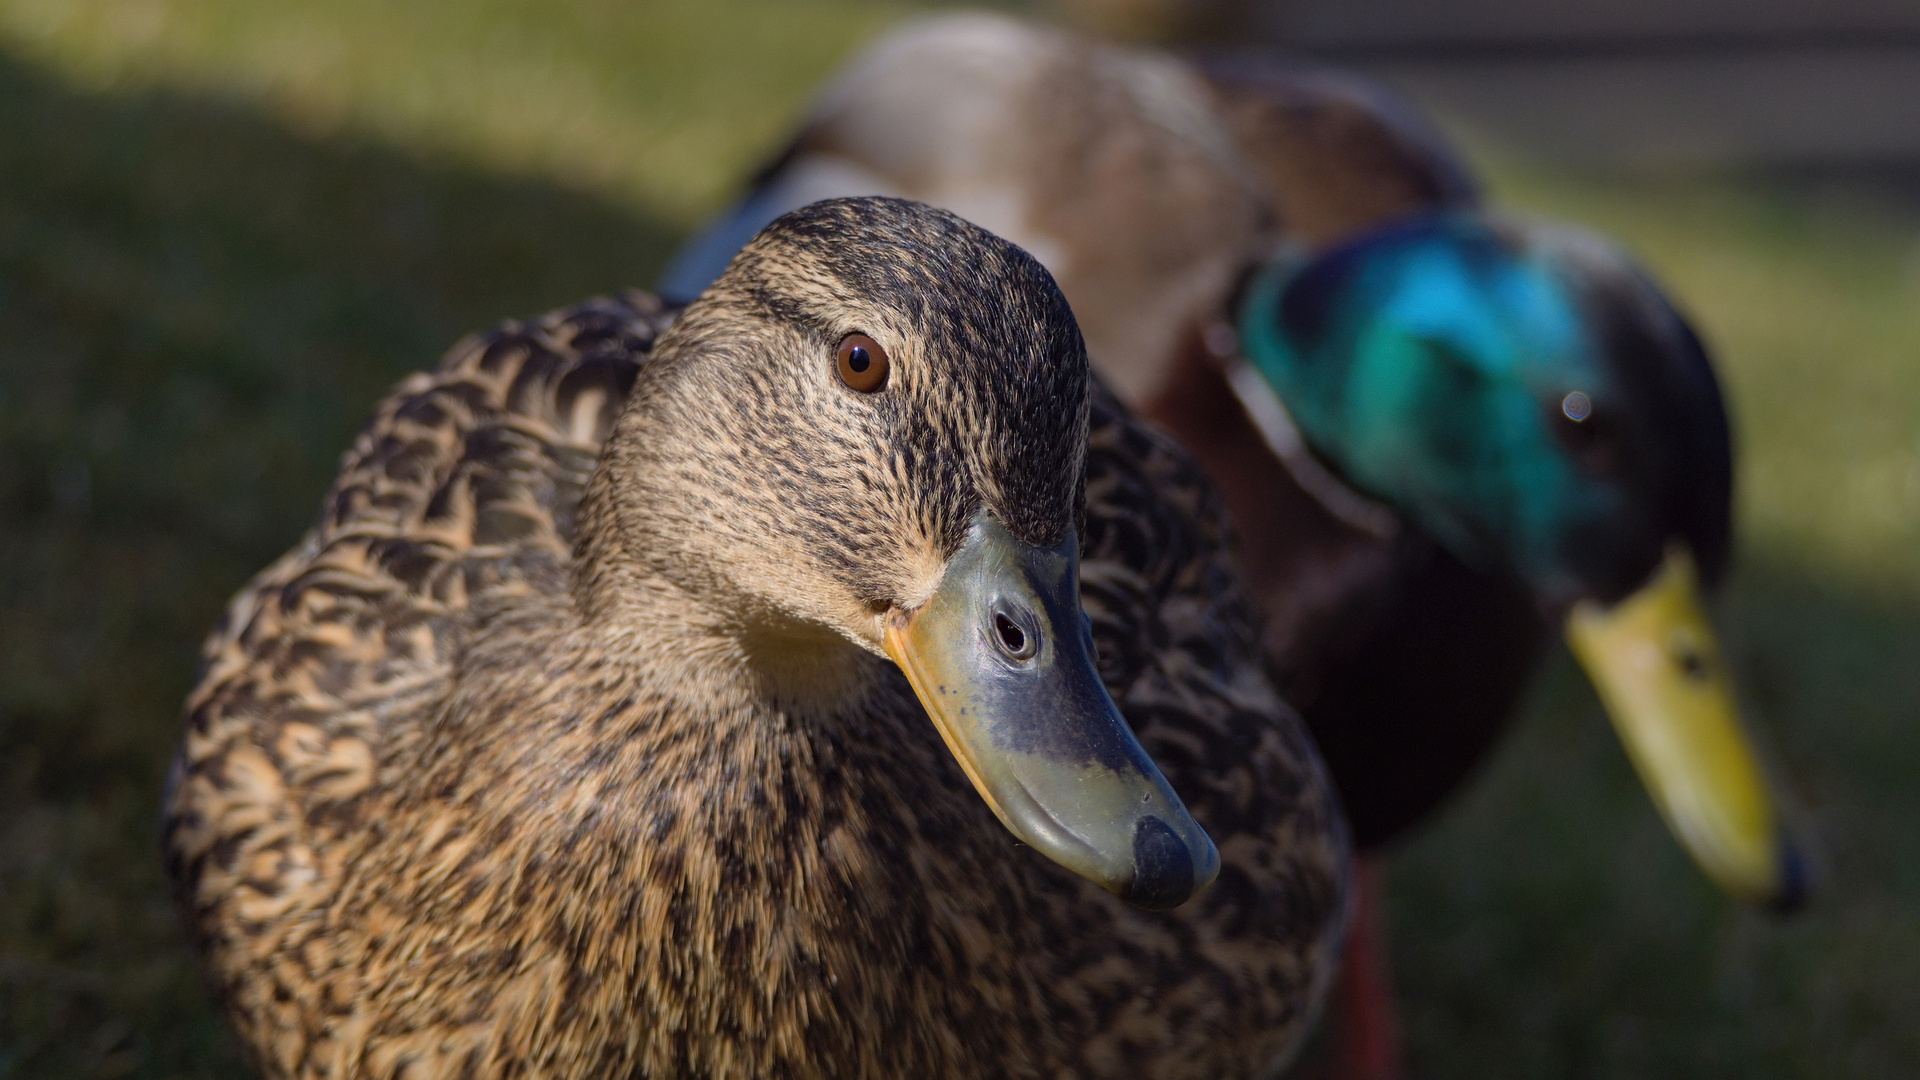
{"x": 1656, "y": 663}
{"x": 1002, "y": 658}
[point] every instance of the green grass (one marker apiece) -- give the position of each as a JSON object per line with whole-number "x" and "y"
{"x": 226, "y": 227}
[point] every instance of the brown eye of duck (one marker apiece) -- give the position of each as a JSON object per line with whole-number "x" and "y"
{"x": 862, "y": 363}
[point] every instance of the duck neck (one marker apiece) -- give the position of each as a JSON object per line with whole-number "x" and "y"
{"x": 662, "y": 712}
{"x": 706, "y": 635}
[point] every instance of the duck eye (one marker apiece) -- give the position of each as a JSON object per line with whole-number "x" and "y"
{"x": 862, "y": 363}
{"x": 1582, "y": 431}
{"x": 1013, "y": 639}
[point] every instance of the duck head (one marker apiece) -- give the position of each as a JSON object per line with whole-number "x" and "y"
{"x": 1525, "y": 396}
{"x": 871, "y": 429}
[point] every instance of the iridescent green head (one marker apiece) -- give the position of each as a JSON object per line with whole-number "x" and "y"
{"x": 1521, "y": 393}
{"x": 1526, "y": 396}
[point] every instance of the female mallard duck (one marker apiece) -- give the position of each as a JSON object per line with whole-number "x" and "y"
{"x": 571, "y": 740}
{"x": 1441, "y": 434}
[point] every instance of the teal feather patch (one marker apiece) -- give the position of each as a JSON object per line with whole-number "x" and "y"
{"x": 1427, "y": 362}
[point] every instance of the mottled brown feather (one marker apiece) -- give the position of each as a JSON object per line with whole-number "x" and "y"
{"x": 422, "y": 823}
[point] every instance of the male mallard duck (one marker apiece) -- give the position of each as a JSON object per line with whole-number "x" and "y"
{"x": 1544, "y": 447}
{"x": 584, "y": 734}
{"x": 1442, "y": 434}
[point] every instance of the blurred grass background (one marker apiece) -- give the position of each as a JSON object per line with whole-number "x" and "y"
{"x": 226, "y": 227}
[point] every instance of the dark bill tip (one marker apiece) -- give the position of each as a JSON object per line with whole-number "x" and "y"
{"x": 1796, "y": 882}
{"x": 1162, "y": 867}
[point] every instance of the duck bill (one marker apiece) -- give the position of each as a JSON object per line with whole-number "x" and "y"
{"x": 1655, "y": 661}
{"x": 1002, "y": 658}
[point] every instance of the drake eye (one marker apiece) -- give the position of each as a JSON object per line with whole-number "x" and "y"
{"x": 1582, "y": 431}
{"x": 1576, "y": 406}
{"x": 1572, "y": 419}
{"x": 862, "y": 363}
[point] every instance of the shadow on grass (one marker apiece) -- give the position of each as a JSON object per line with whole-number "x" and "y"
{"x": 1548, "y": 927}
{"x": 198, "y": 307}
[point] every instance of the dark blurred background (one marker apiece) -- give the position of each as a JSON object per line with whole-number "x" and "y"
{"x": 1636, "y": 83}
{"x": 226, "y": 227}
